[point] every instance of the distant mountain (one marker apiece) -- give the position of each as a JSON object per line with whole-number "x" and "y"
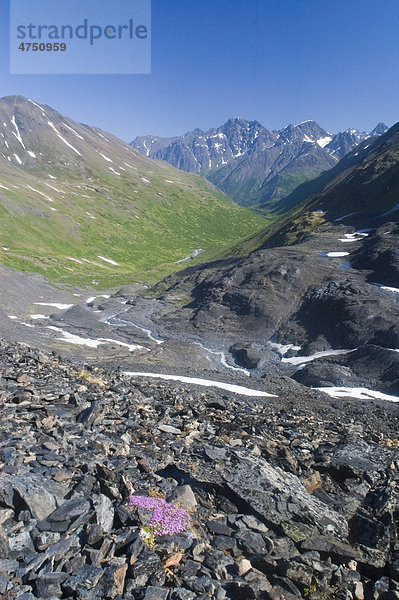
{"x": 79, "y": 205}
{"x": 362, "y": 190}
{"x": 255, "y": 166}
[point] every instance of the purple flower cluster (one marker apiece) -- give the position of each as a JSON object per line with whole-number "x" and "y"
{"x": 166, "y": 519}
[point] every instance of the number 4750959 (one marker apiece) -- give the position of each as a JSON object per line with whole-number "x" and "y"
{"x": 42, "y": 47}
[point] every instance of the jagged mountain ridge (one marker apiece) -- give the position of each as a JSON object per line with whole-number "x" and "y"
{"x": 251, "y": 164}
{"x": 62, "y": 185}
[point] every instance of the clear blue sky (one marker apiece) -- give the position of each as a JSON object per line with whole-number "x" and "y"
{"x": 276, "y": 61}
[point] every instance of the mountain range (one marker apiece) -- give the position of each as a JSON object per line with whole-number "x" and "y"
{"x": 80, "y": 205}
{"x": 255, "y": 166}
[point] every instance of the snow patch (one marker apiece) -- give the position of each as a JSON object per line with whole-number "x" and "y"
{"x": 71, "y": 338}
{"x": 41, "y": 193}
{"x": 53, "y": 188}
{"x": 74, "y": 259}
{"x": 38, "y": 105}
{"x": 4, "y": 187}
{"x": 300, "y": 360}
{"x": 108, "y": 260}
{"x": 73, "y": 131}
{"x": 386, "y": 287}
{"x": 19, "y": 161}
{"x": 92, "y": 298}
{"x": 106, "y": 157}
{"x": 237, "y": 389}
{"x": 104, "y": 138}
{"x": 17, "y": 135}
{"x": 63, "y": 139}
{"x": 324, "y": 141}
{"x": 334, "y": 254}
{"x": 356, "y": 392}
{"x": 58, "y": 305}
{"x": 32, "y": 154}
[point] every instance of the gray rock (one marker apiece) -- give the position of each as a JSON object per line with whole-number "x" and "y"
{"x": 86, "y": 577}
{"x": 169, "y": 429}
{"x": 281, "y": 498}
{"x": 183, "y": 495}
{"x": 156, "y": 593}
{"x": 70, "y": 510}
{"x": 48, "y": 585}
{"x": 40, "y": 494}
{"x": 20, "y": 544}
{"x": 4, "y": 544}
{"x": 104, "y": 512}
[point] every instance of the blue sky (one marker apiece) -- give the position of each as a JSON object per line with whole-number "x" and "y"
{"x": 276, "y": 61}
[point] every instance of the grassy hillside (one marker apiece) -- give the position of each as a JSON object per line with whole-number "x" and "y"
{"x": 87, "y": 195}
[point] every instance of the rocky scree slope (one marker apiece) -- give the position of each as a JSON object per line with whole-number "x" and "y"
{"x": 292, "y": 497}
{"x": 253, "y": 165}
{"x": 79, "y": 205}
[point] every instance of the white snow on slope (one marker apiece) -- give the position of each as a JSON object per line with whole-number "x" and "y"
{"x": 41, "y": 193}
{"x": 113, "y": 170}
{"x": 54, "y": 188}
{"x": 106, "y": 157}
{"x": 334, "y": 254}
{"x": 19, "y": 161}
{"x": 62, "y": 138}
{"x": 359, "y": 392}
{"x": 92, "y": 298}
{"x": 4, "y": 187}
{"x": 17, "y": 135}
{"x": 386, "y": 287}
{"x": 300, "y": 360}
{"x": 32, "y": 154}
{"x": 71, "y": 338}
{"x": 282, "y": 349}
{"x": 38, "y": 105}
{"x": 237, "y": 389}
{"x": 34, "y": 317}
{"x": 324, "y": 141}
{"x": 108, "y": 260}
{"x": 73, "y": 131}
{"x": 74, "y": 259}
{"x": 104, "y": 138}
{"x": 145, "y": 180}
{"x": 54, "y": 305}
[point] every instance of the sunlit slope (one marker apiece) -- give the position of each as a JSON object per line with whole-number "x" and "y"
{"x": 75, "y": 200}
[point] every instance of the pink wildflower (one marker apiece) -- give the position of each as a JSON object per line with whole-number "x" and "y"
{"x": 166, "y": 518}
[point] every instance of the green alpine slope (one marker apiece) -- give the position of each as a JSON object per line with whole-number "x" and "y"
{"x": 80, "y": 206}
